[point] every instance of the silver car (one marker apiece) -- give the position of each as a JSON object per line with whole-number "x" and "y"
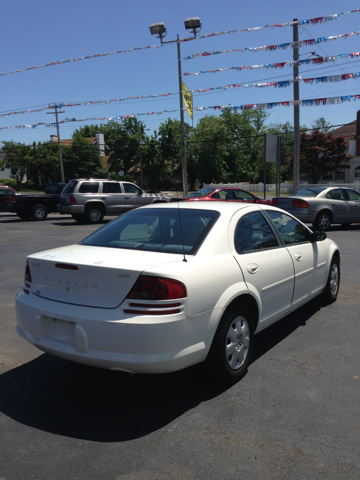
{"x": 323, "y": 206}
{"x": 89, "y": 200}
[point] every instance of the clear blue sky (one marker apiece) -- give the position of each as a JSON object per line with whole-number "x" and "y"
{"x": 38, "y": 32}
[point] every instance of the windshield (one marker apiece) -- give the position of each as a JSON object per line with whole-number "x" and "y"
{"x": 156, "y": 230}
{"x": 202, "y": 193}
{"x": 70, "y": 187}
{"x": 309, "y": 192}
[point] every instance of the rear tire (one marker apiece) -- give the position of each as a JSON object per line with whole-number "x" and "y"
{"x": 94, "y": 214}
{"x": 323, "y": 221}
{"x": 39, "y": 212}
{"x": 232, "y": 346}
{"x": 331, "y": 290}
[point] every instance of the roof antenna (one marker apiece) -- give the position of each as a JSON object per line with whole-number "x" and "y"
{"x": 181, "y": 231}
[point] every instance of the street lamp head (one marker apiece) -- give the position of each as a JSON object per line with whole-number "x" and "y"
{"x": 193, "y": 25}
{"x": 158, "y": 30}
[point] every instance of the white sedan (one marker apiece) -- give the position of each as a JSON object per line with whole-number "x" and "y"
{"x": 167, "y": 286}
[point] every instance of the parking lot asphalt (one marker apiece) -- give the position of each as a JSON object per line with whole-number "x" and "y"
{"x": 295, "y": 415}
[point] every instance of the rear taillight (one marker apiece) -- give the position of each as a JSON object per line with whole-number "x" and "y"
{"x": 300, "y": 203}
{"x": 13, "y": 199}
{"x": 72, "y": 200}
{"x": 157, "y": 288}
{"x": 275, "y": 201}
{"x": 27, "y": 277}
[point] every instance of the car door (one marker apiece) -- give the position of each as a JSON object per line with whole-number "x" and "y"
{"x": 309, "y": 258}
{"x": 113, "y": 197}
{"x": 339, "y": 205}
{"x": 266, "y": 265}
{"x": 134, "y": 196}
{"x": 354, "y": 200}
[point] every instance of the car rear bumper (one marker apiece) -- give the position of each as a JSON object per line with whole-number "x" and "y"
{"x": 76, "y": 209}
{"x": 108, "y": 338}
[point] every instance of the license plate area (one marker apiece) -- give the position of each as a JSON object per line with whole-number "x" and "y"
{"x": 60, "y": 330}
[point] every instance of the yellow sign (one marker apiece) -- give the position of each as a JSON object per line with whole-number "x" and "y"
{"x": 188, "y": 99}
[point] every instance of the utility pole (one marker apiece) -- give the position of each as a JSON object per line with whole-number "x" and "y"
{"x": 183, "y": 145}
{"x": 296, "y": 162}
{"x": 59, "y": 144}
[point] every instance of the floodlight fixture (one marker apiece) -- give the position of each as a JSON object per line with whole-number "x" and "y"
{"x": 193, "y": 25}
{"x": 158, "y": 30}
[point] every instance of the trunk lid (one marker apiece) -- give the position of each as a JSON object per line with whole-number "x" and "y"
{"x": 101, "y": 277}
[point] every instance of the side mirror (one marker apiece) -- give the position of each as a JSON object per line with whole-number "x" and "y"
{"x": 318, "y": 236}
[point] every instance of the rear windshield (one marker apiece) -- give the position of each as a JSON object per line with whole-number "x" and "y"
{"x": 70, "y": 186}
{"x": 156, "y": 230}
{"x": 309, "y": 192}
{"x": 202, "y": 193}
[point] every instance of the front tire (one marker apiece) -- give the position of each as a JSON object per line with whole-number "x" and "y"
{"x": 331, "y": 290}
{"x": 39, "y": 213}
{"x": 232, "y": 347}
{"x": 323, "y": 221}
{"x": 94, "y": 214}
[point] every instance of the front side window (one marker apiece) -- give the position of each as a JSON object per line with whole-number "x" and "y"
{"x": 89, "y": 187}
{"x": 290, "y": 230}
{"x": 129, "y": 188}
{"x": 242, "y": 195}
{"x": 111, "y": 187}
{"x": 253, "y": 233}
{"x": 156, "y": 230}
{"x": 353, "y": 195}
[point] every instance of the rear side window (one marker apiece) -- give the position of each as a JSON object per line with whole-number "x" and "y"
{"x": 70, "y": 187}
{"x": 89, "y": 187}
{"x": 111, "y": 187}
{"x": 156, "y": 230}
{"x": 253, "y": 233}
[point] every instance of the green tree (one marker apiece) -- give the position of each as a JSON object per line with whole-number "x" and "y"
{"x": 321, "y": 124}
{"x": 154, "y": 164}
{"x": 82, "y": 160}
{"x": 123, "y": 141}
{"x": 244, "y": 143}
{"x": 17, "y": 158}
{"x": 209, "y": 150}
{"x": 321, "y": 154}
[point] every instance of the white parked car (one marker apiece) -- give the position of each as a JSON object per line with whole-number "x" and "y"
{"x": 167, "y": 286}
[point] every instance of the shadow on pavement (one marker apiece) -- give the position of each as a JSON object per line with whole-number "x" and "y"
{"x": 76, "y": 401}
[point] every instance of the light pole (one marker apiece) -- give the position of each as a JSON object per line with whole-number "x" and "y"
{"x": 140, "y": 155}
{"x": 158, "y": 30}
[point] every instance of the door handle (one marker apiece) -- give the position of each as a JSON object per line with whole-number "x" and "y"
{"x": 252, "y": 268}
{"x": 127, "y": 198}
{"x": 298, "y": 256}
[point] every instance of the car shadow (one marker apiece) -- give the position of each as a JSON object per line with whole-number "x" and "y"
{"x": 77, "y": 401}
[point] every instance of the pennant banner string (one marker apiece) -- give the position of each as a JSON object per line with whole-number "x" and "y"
{"x": 279, "y": 84}
{"x": 253, "y": 106}
{"x": 308, "y": 61}
{"x": 281, "y": 46}
{"x": 311, "y": 21}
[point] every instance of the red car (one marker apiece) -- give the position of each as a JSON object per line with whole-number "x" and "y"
{"x": 228, "y": 194}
